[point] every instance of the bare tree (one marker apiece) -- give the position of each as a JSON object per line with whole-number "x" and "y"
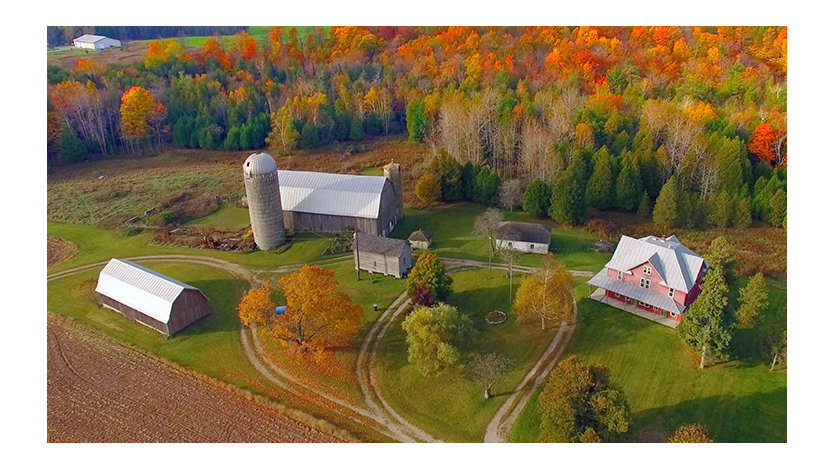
{"x": 510, "y": 256}
{"x": 487, "y": 369}
{"x": 486, "y": 225}
{"x": 510, "y": 194}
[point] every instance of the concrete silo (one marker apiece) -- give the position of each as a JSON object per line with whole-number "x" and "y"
{"x": 260, "y": 176}
{"x": 392, "y": 173}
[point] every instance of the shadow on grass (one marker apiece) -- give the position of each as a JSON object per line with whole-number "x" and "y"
{"x": 758, "y": 417}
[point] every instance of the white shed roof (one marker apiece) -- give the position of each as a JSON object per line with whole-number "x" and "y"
{"x": 331, "y": 194}
{"x": 90, "y": 38}
{"x": 140, "y": 288}
{"x": 676, "y": 264}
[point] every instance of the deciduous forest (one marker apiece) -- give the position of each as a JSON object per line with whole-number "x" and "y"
{"x": 689, "y": 120}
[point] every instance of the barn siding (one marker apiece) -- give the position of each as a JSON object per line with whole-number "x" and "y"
{"x": 134, "y": 314}
{"x": 190, "y": 306}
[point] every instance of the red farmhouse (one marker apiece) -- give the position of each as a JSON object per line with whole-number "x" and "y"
{"x": 656, "y": 278}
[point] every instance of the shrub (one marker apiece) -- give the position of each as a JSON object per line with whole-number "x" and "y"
{"x": 428, "y": 188}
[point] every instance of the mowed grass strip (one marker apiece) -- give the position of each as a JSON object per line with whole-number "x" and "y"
{"x": 738, "y": 401}
{"x": 225, "y": 219}
{"x": 450, "y": 405}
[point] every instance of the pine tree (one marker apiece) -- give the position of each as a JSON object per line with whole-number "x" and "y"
{"x": 753, "y": 301}
{"x": 629, "y": 186}
{"x": 536, "y": 199}
{"x": 667, "y": 206}
{"x": 778, "y": 208}
{"x": 72, "y": 148}
{"x": 644, "y": 210}
{"x": 600, "y": 188}
{"x": 568, "y": 204}
{"x": 742, "y": 217}
{"x": 721, "y": 212}
{"x": 703, "y": 328}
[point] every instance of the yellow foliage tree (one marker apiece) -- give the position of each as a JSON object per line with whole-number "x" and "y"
{"x": 256, "y": 307}
{"x": 319, "y": 314}
{"x": 546, "y": 294}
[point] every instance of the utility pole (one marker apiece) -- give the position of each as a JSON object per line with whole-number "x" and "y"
{"x": 356, "y": 249}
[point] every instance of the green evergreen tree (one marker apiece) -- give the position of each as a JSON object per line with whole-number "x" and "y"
{"x": 667, "y": 206}
{"x": 448, "y": 170}
{"x": 742, "y": 217}
{"x": 467, "y": 180}
{"x": 309, "y": 136}
{"x": 567, "y": 203}
{"x": 703, "y": 328}
{"x": 487, "y": 186}
{"x": 629, "y": 186}
{"x": 600, "y": 188}
{"x": 752, "y": 301}
{"x": 721, "y": 213}
{"x": 644, "y": 209}
{"x": 232, "y": 139}
{"x": 355, "y": 131}
{"x": 72, "y": 149}
{"x": 536, "y": 199}
{"x": 721, "y": 254}
{"x": 620, "y": 143}
{"x": 415, "y": 118}
{"x": 778, "y": 208}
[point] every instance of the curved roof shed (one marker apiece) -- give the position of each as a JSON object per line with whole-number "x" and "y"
{"x": 153, "y": 299}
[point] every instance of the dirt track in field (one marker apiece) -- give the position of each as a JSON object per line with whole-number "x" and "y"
{"x": 101, "y": 391}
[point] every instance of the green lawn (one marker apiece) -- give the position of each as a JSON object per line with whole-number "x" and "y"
{"x": 226, "y": 218}
{"x": 97, "y": 244}
{"x": 451, "y": 228}
{"x": 738, "y": 401}
{"x": 450, "y": 405}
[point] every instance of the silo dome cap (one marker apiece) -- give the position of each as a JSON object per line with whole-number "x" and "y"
{"x": 259, "y": 164}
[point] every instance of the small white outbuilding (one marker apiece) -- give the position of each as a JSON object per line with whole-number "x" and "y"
{"x": 92, "y": 41}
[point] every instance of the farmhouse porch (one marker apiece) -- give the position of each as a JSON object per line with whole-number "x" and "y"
{"x": 600, "y": 296}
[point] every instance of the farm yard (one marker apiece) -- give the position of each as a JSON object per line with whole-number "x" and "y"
{"x": 662, "y": 391}
{"x": 102, "y": 391}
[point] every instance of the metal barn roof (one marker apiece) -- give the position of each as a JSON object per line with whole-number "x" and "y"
{"x": 676, "y": 264}
{"x": 140, "y": 288}
{"x": 91, "y": 38}
{"x": 331, "y": 194}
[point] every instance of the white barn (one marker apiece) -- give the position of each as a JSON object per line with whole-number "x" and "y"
{"x": 92, "y": 41}
{"x": 523, "y": 237}
{"x": 150, "y": 298}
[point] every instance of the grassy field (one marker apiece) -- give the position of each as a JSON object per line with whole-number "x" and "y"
{"x": 451, "y": 228}
{"x": 738, "y": 401}
{"x": 226, "y": 218}
{"x": 450, "y": 405}
{"x": 97, "y": 244}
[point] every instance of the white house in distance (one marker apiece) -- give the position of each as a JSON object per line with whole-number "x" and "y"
{"x": 523, "y": 237}
{"x": 92, "y": 41}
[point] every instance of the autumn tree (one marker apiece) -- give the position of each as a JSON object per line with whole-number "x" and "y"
{"x": 487, "y": 369}
{"x": 546, "y": 295}
{"x": 142, "y": 115}
{"x": 704, "y": 329}
{"x": 742, "y": 217}
{"x": 752, "y": 301}
{"x": 430, "y": 272}
{"x": 282, "y": 134}
{"x": 536, "y": 199}
{"x": 319, "y": 314}
{"x": 427, "y": 189}
{"x": 690, "y": 433}
{"x": 434, "y": 335}
{"x": 579, "y": 404}
{"x": 256, "y": 307}
{"x": 486, "y": 225}
{"x": 761, "y": 142}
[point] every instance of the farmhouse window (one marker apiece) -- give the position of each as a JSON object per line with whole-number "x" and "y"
{"x": 671, "y": 292}
{"x": 647, "y": 270}
{"x": 645, "y": 283}
{"x": 531, "y": 246}
{"x": 619, "y": 275}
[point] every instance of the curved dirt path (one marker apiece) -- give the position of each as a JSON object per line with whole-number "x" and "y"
{"x": 255, "y": 354}
{"x": 501, "y": 425}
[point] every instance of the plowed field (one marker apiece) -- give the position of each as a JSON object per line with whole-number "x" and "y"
{"x": 101, "y": 391}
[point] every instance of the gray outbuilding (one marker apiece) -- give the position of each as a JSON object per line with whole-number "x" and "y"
{"x": 150, "y": 298}
{"x": 388, "y": 256}
{"x": 420, "y": 239}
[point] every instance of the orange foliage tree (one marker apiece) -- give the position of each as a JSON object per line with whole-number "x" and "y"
{"x": 141, "y": 115}
{"x": 761, "y": 143}
{"x": 256, "y": 307}
{"x": 319, "y": 314}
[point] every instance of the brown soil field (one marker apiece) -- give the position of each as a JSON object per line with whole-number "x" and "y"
{"x": 130, "y": 52}
{"x": 101, "y": 391}
{"x": 58, "y": 250}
